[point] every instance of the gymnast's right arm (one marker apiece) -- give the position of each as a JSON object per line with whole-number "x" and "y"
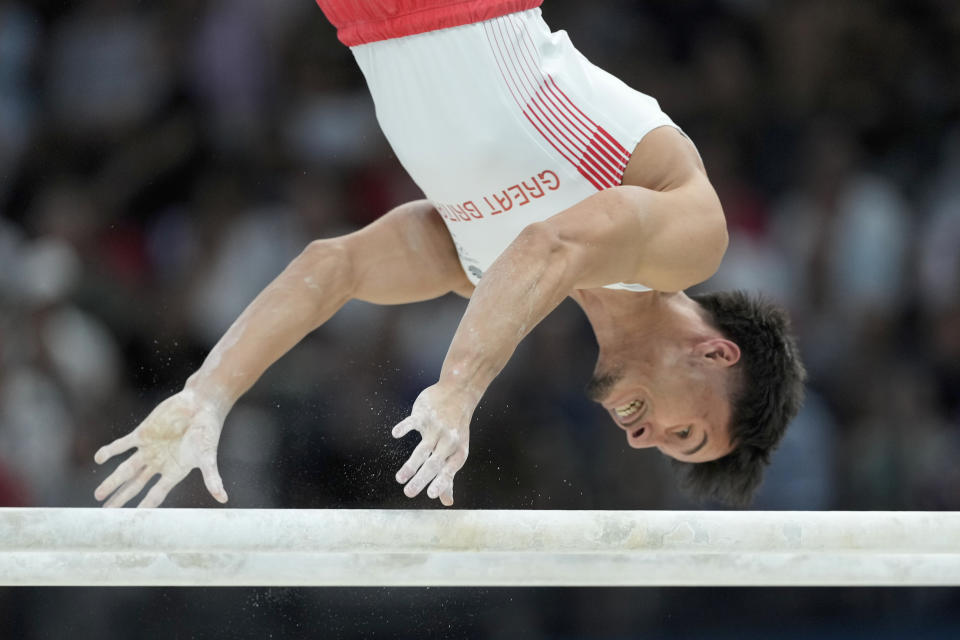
{"x": 405, "y": 256}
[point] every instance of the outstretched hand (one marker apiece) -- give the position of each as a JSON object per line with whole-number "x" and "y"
{"x": 180, "y": 434}
{"x": 443, "y": 420}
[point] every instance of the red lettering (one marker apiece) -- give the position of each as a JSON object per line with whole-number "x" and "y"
{"x": 506, "y": 204}
{"x": 518, "y": 195}
{"x": 504, "y": 200}
{"x": 450, "y": 213}
{"x": 531, "y": 189}
{"x": 543, "y": 177}
{"x": 493, "y": 210}
{"x": 461, "y": 214}
{"x": 472, "y": 209}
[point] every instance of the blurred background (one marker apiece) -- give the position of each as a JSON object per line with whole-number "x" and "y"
{"x": 160, "y": 162}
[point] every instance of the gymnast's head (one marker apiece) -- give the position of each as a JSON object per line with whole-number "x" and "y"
{"x": 712, "y": 383}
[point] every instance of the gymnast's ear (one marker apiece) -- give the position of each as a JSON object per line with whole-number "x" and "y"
{"x": 718, "y": 352}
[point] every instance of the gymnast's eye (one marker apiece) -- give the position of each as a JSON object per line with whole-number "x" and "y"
{"x": 683, "y": 435}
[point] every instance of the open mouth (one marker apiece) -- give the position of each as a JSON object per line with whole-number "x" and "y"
{"x": 629, "y": 413}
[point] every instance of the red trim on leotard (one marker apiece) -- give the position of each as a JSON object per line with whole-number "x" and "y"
{"x": 595, "y": 154}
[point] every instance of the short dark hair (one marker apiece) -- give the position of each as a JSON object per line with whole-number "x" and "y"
{"x": 766, "y": 393}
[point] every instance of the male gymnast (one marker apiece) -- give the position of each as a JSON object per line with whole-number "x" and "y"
{"x": 545, "y": 177}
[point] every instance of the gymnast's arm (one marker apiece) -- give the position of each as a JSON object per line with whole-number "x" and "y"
{"x": 405, "y": 256}
{"x": 664, "y": 228}
{"x": 668, "y": 238}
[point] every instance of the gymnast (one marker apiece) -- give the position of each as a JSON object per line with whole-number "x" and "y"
{"x": 544, "y": 178}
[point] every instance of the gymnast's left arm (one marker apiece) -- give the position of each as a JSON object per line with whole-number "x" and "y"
{"x": 667, "y": 238}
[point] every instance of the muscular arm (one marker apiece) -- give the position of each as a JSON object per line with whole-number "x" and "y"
{"x": 663, "y": 228}
{"x": 405, "y": 256}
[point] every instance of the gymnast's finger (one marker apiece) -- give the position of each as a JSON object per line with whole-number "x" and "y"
{"x": 446, "y": 495}
{"x": 404, "y": 427}
{"x": 127, "y": 469}
{"x": 442, "y": 486}
{"x": 128, "y": 491}
{"x": 157, "y": 493}
{"x": 440, "y": 483}
{"x": 417, "y": 458}
{"x": 427, "y": 472}
{"x": 212, "y": 479}
{"x": 119, "y": 445}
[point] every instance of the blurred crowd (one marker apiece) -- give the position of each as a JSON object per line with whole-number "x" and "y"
{"x": 161, "y": 162}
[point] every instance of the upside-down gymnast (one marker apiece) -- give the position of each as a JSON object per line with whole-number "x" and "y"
{"x": 545, "y": 177}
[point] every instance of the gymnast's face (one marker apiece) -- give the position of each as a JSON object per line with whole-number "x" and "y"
{"x": 671, "y": 396}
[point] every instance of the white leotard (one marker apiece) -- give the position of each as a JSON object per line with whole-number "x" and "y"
{"x": 502, "y": 123}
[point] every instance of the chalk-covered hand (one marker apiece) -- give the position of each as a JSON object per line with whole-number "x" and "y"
{"x": 442, "y": 416}
{"x": 181, "y": 433}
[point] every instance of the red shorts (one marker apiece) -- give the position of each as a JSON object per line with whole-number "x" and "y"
{"x": 365, "y": 21}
